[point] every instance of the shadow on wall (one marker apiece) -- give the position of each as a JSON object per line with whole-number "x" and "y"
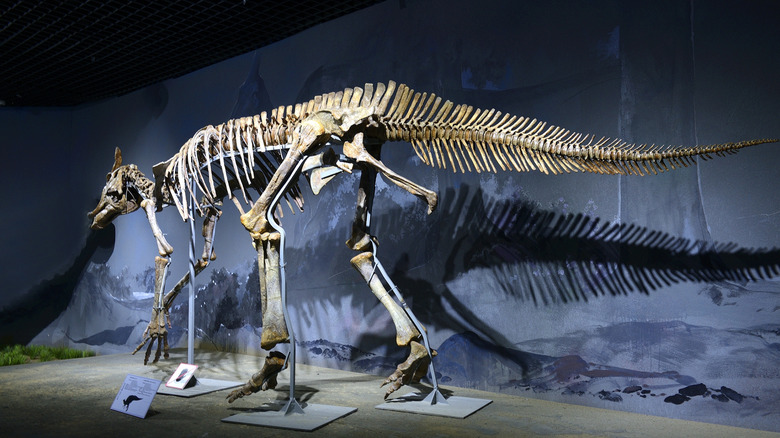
{"x": 252, "y": 95}
{"x": 544, "y": 257}
{"x": 585, "y": 256}
{"x": 23, "y": 319}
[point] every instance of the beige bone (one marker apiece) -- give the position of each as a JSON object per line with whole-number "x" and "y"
{"x": 274, "y": 326}
{"x": 357, "y": 151}
{"x": 405, "y": 330}
{"x": 156, "y": 330}
{"x": 163, "y": 247}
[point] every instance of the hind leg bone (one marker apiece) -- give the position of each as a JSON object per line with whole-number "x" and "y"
{"x": 416, "y": 365}
{"x": 267, "y": 242}
{"x": 274, "y": 326}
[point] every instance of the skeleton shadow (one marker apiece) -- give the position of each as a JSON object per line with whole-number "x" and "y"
{"x": 30, "y": 314}
{"x": 529, "y": 254}
{"x": 544, "y": 257}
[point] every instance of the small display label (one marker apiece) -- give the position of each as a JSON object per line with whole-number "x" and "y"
{"x": 181, "y": 377}
{"x": 136, "y": 395}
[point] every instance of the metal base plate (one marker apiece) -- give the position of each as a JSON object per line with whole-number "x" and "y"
{"x": 313, "y": 417}
{"x": 455, "y": 407}
{"x": 201, "y": 386}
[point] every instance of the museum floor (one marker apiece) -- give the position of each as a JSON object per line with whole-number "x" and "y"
{"x": 73, "y": 398}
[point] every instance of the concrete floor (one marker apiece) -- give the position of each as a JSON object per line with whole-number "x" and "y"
{"x": 73, "y": 398}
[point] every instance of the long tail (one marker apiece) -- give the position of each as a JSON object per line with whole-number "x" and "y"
{"x": 487, "y": 141}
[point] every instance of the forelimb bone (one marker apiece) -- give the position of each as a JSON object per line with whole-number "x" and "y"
{"x": 156, "y": 331}
{"x": 208, "y": 231}
{"x": 163, "y": 247}
{"x": 208, "y": 255}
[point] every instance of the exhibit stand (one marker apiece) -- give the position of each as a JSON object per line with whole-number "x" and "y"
{"x": 196, "y": 386}
{"x": 434, "y": 403}
{"x": 417, "y": 403}
{"x": 291, "y": 415}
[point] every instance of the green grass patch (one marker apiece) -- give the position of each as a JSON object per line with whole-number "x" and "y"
{"x": 21, "y": 354}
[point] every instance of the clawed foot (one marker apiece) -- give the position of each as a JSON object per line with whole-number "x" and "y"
{"x": 262, "y": 380}
{"x": 414, "y": 368}
{"x": 154, "y": 332}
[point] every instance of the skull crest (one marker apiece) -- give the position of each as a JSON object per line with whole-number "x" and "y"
{"x": 119, "y": 194}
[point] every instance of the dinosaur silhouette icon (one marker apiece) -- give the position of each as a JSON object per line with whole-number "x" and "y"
{"x": 129, "y": 400}
{"x": 183, "y": 373}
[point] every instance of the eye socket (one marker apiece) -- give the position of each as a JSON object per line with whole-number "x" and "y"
{"x": 114, "y": 195}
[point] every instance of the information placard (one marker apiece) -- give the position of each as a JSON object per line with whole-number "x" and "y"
{"x": 181, "y": 376}
{"x": 135, "y": 396}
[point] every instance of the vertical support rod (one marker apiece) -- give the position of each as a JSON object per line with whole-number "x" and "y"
{"x": 160, "y": 294}
{"x": 191, "y": 311}
{"x": 368, "y": 184}
{"x": 292, "y": 406}
{"x": 435, "y": 397}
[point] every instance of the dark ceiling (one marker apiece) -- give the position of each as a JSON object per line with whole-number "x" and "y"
{"x": 62, "y": 53}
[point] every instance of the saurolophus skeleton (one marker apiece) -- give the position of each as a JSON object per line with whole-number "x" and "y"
{"x": 256, "y": 161}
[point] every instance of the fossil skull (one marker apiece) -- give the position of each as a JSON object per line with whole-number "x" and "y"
{"x": 118, "y": 196}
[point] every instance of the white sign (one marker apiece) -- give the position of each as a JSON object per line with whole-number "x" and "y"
{"x": 181, "y": 376}
{"x": 136, "y": 395}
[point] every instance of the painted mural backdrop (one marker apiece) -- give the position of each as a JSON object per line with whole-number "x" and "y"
{"x": 656, "y": 295}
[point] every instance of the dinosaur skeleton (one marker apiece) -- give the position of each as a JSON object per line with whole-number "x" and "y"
{"x": 267, "y": 154}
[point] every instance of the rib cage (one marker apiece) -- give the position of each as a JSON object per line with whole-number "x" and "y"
{"x": 237, "y": 155}
{"x": 244, "y": 153}
{"x": 258, "y": 141}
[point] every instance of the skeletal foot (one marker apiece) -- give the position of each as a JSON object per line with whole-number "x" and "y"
{"x": 411, "y": 370}
{"x": 154, "y": 333}
{"x": 262, "y": 380}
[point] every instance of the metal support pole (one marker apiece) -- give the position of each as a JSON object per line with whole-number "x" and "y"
{"x": 292, "y": 406}
{"x": 370, "y": 177}
{"x": 435, "y": 397}
{"x": 191, "y": 312}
